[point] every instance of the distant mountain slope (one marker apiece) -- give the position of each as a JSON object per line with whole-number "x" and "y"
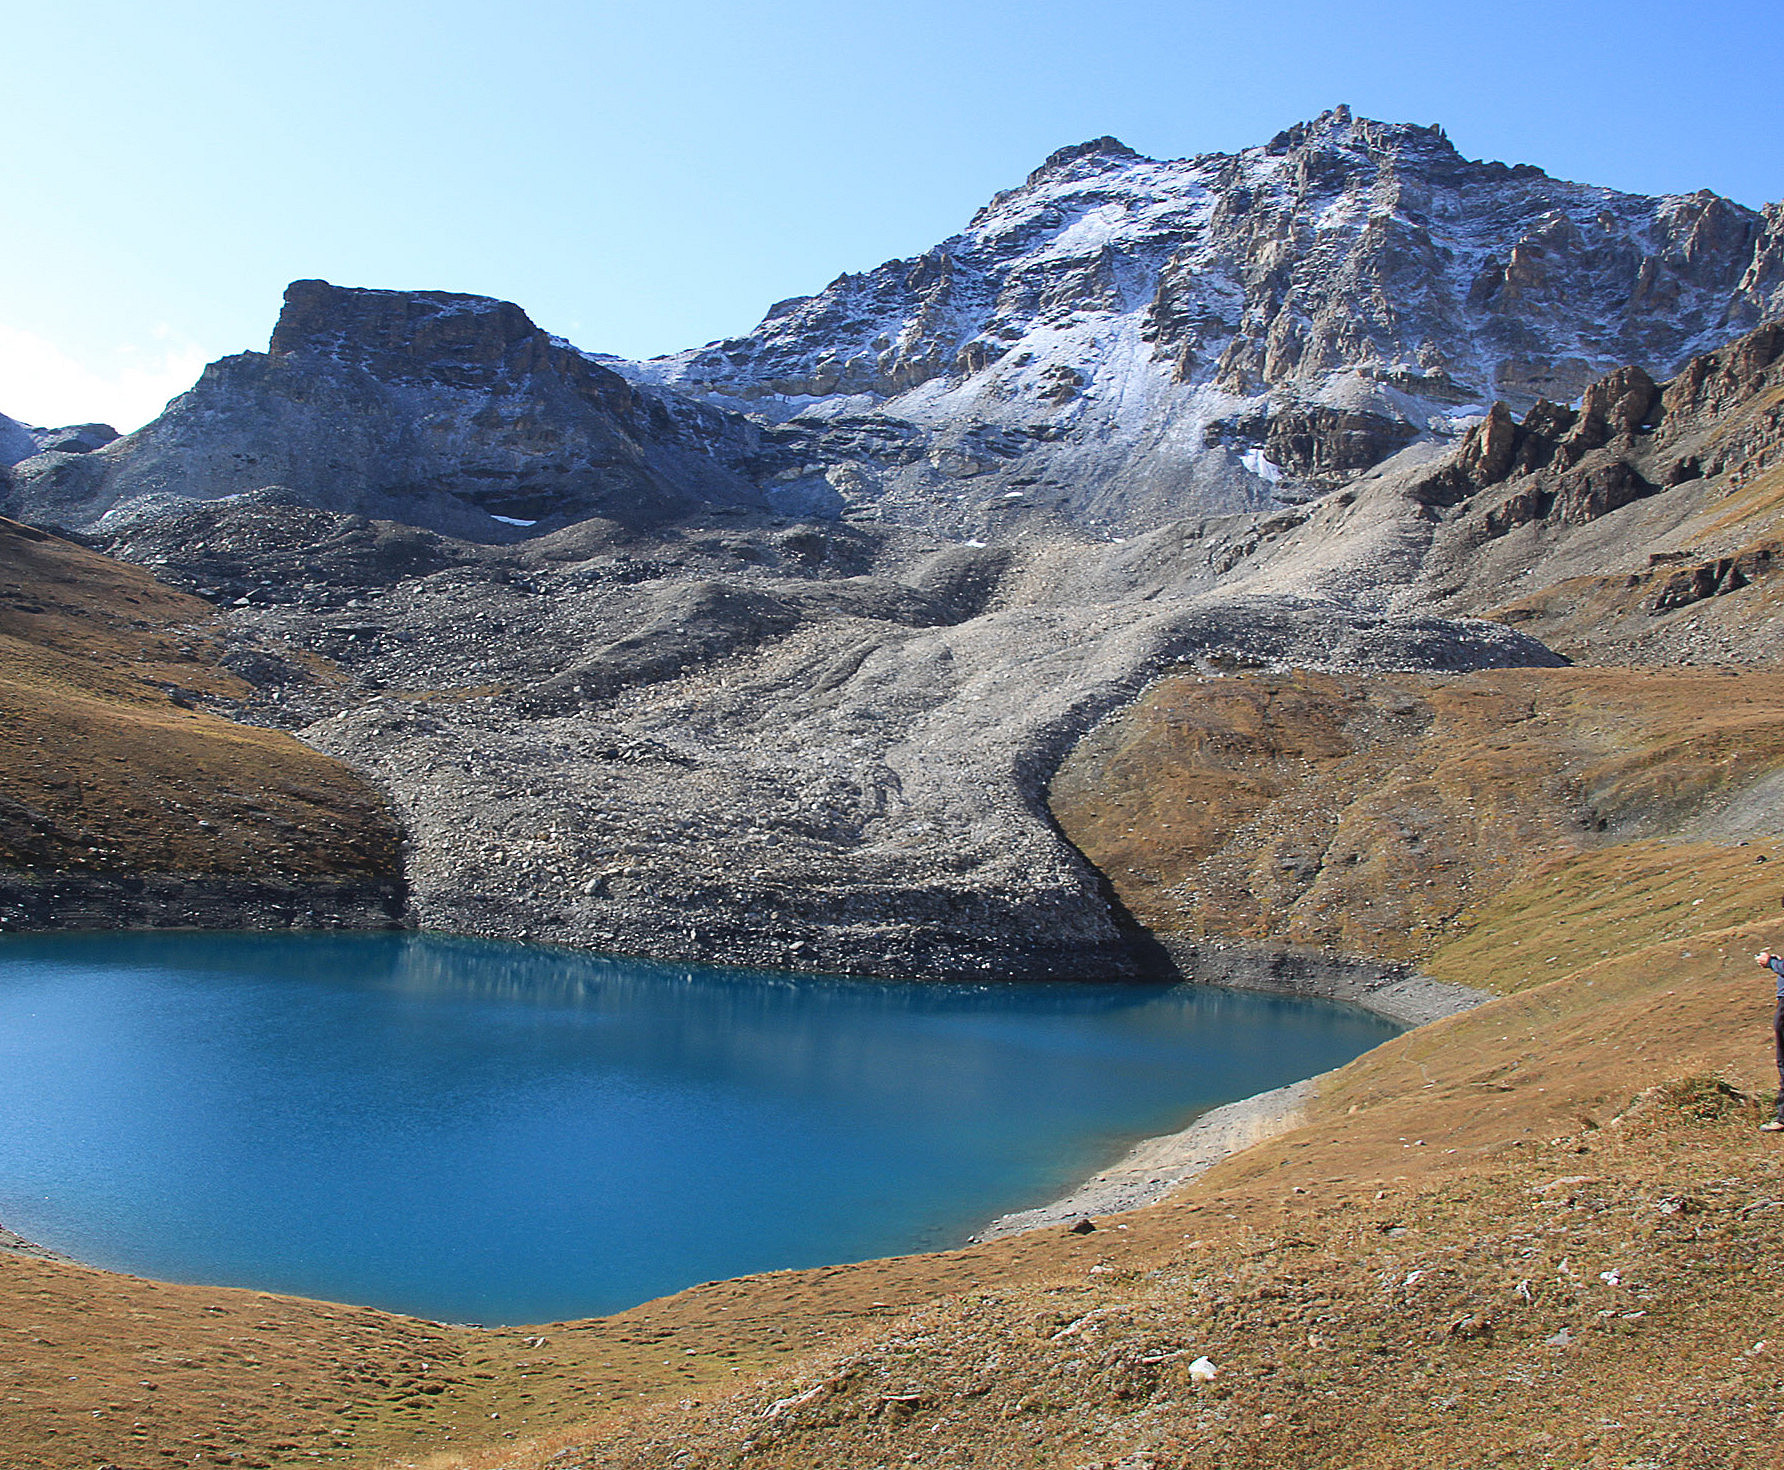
{"x": 18, "y": 441}
{"x": 1120, "y": 337}
{"x": 1115, "y": 343}
{"x": 428, "y": 407}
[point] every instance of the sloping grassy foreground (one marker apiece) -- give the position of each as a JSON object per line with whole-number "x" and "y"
{"x": 1542, "y": 1233}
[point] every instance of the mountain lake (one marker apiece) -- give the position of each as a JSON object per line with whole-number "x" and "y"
{"x": 476, "y": 1131}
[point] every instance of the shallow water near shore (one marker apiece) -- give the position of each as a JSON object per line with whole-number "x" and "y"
{"x": 477, "y": 1131}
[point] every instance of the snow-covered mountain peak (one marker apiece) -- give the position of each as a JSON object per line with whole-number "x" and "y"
{"x": 1211, "y": 333}
{"x": 1115, "y": 341}
{"x": 1084, "y": 160}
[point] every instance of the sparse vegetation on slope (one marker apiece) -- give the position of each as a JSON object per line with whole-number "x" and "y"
{"x": 1375, "y": 815}
{"x": 1411, "y": 1277}
{"x": 111, "y": 769}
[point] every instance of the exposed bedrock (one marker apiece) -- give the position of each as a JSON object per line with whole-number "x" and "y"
{"x": 1120, "y": 338}
{"x": 765, "y": 652}
{"x": 1115, "y": 342}
{"x": 432, "y": 408}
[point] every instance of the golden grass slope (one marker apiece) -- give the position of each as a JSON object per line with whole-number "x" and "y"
{"x": 107, "y": 765}
{"x": 1376, "y": 814}
{"x": 1415, "y": 1276}
{"x": 1541, "y": 1233}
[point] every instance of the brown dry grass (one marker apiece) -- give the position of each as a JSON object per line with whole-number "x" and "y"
{"x": 106, "y": 764}
{"x": 1378, "y": 814}
{"x": 1358, "y": 1279}
{"x": 1287, "y": 1265}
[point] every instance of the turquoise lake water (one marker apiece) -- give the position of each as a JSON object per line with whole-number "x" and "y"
{"x": 500, "y": 1133}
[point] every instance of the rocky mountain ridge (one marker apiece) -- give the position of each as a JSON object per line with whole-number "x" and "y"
{"x": 828, "y": 745}
{"x": 426, "y": 407}
{"x": 1117, "y": 342}
{"x": 1120, "y": 338}
{"x": 21, "y": 441}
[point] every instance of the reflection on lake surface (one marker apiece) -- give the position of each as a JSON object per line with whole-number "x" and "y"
{"x": 478, "y": 1131}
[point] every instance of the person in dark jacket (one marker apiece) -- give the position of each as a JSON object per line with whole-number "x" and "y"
{"x": 1775, "y": 963}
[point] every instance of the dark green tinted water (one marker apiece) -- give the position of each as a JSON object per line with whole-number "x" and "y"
{"x": 488, "y": 1132}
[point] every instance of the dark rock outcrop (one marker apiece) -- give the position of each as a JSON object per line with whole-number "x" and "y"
{"x": 1550, "y": 461}
{"x": 441, "y": 410}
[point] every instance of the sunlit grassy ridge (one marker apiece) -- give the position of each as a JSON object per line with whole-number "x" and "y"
{"x": 1381, "y": 815}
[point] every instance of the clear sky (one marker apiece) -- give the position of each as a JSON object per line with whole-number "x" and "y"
{"x": 645, "y": 175}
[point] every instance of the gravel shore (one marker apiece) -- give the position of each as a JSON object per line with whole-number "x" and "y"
{"x": 1157, "y": 1167}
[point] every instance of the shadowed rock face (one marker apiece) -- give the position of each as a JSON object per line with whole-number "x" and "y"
{"x": 430, "y": 408}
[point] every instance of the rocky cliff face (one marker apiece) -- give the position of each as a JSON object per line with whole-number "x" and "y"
{"x": 1121, "y": 338}
{"x": 431, "y": 408}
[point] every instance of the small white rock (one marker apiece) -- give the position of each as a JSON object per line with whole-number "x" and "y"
{"x": 1202, "y": 1371}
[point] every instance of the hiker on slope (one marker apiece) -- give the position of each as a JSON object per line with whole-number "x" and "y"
{"x": 1775, "y": 963}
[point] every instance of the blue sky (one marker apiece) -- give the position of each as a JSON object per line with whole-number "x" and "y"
{"x": 649, "y": 175}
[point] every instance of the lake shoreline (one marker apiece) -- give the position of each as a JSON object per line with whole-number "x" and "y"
{"x": 63, "y": 901}
{"x": 1393, "y": 990}
{"x": 12, "y": 1243}
{"x": 1157, "y": 1167}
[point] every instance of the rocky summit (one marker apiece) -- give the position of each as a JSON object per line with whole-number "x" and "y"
{"x": 767, "y": 652}
{"x": 1113, "y": 342}
{"x": 1121, "y": 338}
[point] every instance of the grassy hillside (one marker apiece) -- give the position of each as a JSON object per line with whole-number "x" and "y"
{"x": 1542, "y": 1233}
{"x": 1380, "y": 815}
{"x": 109, "y": 764}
